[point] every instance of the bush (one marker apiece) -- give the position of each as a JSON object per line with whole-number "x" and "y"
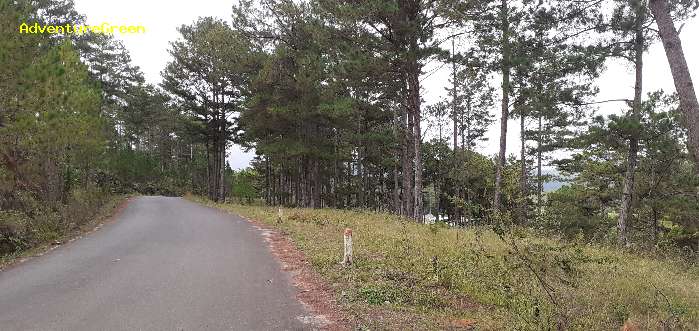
{"x": 13, "y": 231}
{"x": 82, "y": 204}
{"x": 33, "y": 223}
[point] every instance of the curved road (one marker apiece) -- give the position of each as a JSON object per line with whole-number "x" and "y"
{"x": 162, "y": 264}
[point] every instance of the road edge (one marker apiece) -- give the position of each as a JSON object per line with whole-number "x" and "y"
{"x": 106, "y": 214}
{"x": 312, "y": 292}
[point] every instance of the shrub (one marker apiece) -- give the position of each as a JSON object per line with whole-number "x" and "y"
{"x": 13, "y": 231}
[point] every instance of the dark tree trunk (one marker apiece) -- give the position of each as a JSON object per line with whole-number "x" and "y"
{"x": 210, "y": 170}
{"x": 222, "y": 169}
{"x": 539, "y": 179}
{"x": 453, "y": 99}
{"x": 414, "y": 96}
{"x": 466, "y": 141}
{"x": 316, "y": 185}
{"x": 397, "y": 151}
{"x": 505, "y": 67}
{"x": 680, "y": 74}
{"x": 632, "y": 157}
{"x": 408, "y": 174}
{"x": 268, "y": 174}
{"x": 523, "y": 171}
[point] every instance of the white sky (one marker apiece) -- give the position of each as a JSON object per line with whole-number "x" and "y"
{"x": 162, "y": 17}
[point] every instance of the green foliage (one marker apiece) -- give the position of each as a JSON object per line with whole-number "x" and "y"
{"x": 77, "y": 125}
{"x": 588, "y": 205}
{"x": 206, "y": 79}
{"x": 244, "y": 185}
{"x": 463, "y": 180}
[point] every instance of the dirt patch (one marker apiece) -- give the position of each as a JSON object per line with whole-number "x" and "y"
{"x": 313, "y": 293}
{"x": 463, "y": 302}
{"x": 465, "y": 324}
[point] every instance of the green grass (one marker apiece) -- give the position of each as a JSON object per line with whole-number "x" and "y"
{"x": 412, "y": 276}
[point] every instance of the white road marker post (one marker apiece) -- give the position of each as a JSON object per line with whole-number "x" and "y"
{"x": 347, "y": 259}
{"x": 280, "y": 216}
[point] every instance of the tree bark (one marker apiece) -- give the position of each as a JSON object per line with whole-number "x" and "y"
{"x": 453, "y": 102}
{"x": 680, "y": 74}
{"x": 414, "y": 81}
{"x": 222, "y": 169}
{"x": 316, "y": 185}
{"x": 408, "y": 173}
{"x": 632, "y": 157}
{"x": 539, "y": 179}
{"x": 209, "y": 170}
{"x": 268, "y": 196}
{"x": 505, "y": 67}
{"x": 523, "y": 170}
{"x": 396, "y": 189}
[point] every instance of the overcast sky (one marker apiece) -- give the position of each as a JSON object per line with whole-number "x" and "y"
{"x": 162, "y": 17}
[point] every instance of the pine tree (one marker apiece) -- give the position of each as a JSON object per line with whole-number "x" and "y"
{"x": 206, "y": 79}
{"x": 669, "y": 35}
{"x": 405, "y": 30}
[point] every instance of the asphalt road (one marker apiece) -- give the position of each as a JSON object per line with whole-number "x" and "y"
{"x": 162, "y": 264}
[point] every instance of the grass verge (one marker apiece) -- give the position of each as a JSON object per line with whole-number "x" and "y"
{"x": 413, "y": 276}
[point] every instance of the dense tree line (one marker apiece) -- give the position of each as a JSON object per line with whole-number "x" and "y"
{"x": 337, "y": 117}
{"x": 79, "y": 124}
{"x": 330, "y": 94}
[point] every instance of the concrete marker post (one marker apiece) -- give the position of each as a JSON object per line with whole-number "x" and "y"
{"x": 347, "y": 259}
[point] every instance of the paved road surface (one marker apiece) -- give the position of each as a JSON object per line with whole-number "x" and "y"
{"x": 163, "y": 264}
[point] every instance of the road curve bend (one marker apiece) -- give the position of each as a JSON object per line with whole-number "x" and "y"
{"x": 162, "y": 264}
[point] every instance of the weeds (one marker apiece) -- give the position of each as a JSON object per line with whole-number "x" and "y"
{"x": 414, "y": 276}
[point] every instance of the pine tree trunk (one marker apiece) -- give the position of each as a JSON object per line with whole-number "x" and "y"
{"x": 680, "y": 74}
{"x": 396, "y": 189}
{"x": 268, "y": 199}
{"x": 414, "y": 102}
{"x": 632, "y": 157}
{"x": 465, "y": 132}
{"x": 453, "y": 98}
{"x": 408, "y": 174}
{"x": 222, "y": 170}
{"x": 437, "y": 183}
{"x": 505, "y": 66}
{"x": 397, "y": 151}
{"x": 523, "y": 170}
{"x": 360, "y": 174}
{"x": 209, "y": 170}
{"x": 539, "y": 179}
{"x": 272, "y": 185}
{"x": 316, "y": 185}
{"x": 215, "y": 173}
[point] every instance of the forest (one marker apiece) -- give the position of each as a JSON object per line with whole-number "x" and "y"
{"x": 330, "y": 95}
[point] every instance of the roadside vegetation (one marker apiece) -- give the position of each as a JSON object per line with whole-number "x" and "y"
{"x": 79, "y": 129}
{"x": 23, "y": 236}
{"x": 416, "y": 276}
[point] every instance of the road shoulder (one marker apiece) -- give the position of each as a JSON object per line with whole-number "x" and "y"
{"x": 107, "y": 213}
{"x": 313, "y": 293}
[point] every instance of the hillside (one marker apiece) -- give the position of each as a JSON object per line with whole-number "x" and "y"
{"x": 413, "y": 276}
